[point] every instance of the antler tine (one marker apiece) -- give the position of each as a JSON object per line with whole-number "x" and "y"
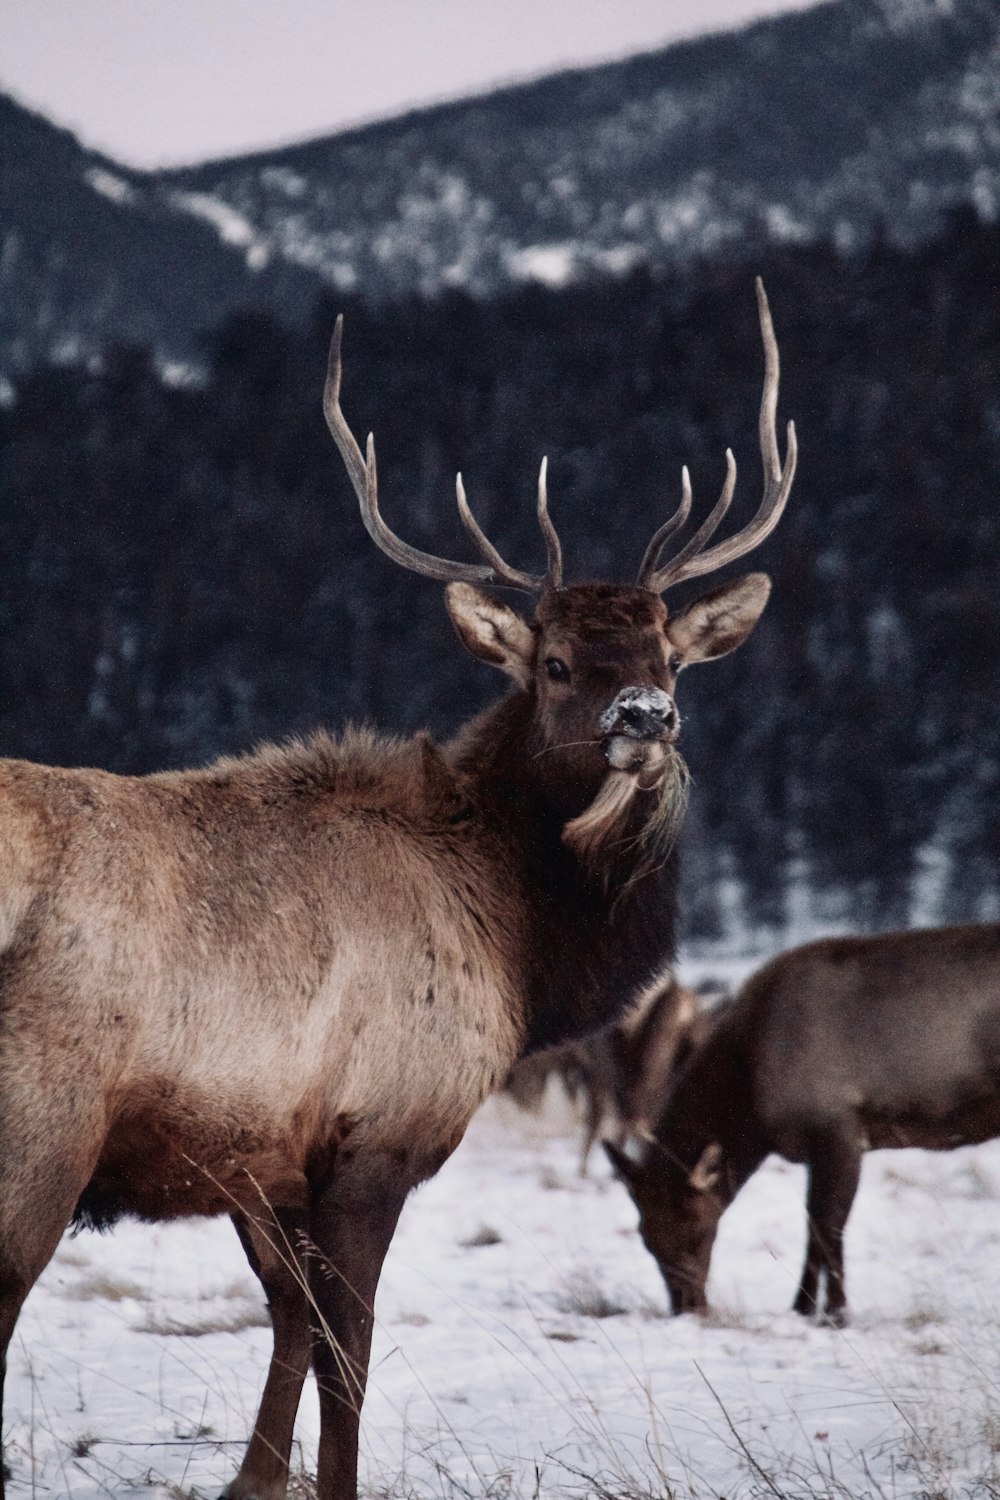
{"x": 708, "y": 527}
{"x": 342, "y": 434}
{"x": 553, "y": 547}
{"x": 502, "y": 572}
{"x": 364, "y": 477}
{"x": 692, "y": 561}
{"x": 667, "y": 530}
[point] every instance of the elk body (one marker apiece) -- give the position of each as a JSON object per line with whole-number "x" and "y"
{"x": 830, "y": 1050}
{"x": 278, "y": 988}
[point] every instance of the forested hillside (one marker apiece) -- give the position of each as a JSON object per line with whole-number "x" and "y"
{"x": 184, "y": 571}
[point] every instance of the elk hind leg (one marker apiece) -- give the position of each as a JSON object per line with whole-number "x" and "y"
{"x": 273, "y": 1244}
{"x": 834, "y": 1173}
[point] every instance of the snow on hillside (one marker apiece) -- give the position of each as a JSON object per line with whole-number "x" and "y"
{"x": 522, "y": 1346}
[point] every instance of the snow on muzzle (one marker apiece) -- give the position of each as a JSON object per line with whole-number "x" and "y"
{"x": 637, "y": 726}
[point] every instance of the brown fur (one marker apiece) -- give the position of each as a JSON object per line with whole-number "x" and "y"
{"x": 839, "y": 1047}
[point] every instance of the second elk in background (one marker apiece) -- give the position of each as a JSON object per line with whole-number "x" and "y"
{"x": 830, "y": 1050}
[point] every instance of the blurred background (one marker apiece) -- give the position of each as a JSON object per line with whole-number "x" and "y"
{"x": 562, "y": 263}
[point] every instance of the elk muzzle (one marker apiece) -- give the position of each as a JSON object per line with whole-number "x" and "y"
{"x": 636, "y": 727}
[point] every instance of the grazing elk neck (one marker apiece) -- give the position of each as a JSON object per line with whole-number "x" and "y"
{"x": 590, "y": 938}
{"x": 711, "y": 1102}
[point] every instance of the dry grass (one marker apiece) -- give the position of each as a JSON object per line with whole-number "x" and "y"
{"x": 978, "y": 1182}
{"x": 484, "y": 1236}
{"x": 106, "y": 1288}
{"x": 584, "y": 1296}
{"x": 922, "y": 1317}
{"x": 552, "y": 1181}
{"x": 70, "y": 1253}
{"x": 234, "y": 1322}
{"x": 730, "y": 1319}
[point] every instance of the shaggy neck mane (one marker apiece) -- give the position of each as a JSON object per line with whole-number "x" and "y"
{"x": 597, "y": 874}
{"x": 585, "y": 910}
{"x": 711, "y": 1101}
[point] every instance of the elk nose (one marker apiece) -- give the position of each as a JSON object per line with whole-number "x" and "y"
{"x": 642, "y": 713}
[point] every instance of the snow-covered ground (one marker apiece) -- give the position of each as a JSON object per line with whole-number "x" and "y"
{"x": 523, "y": 1349}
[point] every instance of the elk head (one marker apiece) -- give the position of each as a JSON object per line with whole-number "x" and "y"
{"x": 598, "y": 662}
{"x": 679, "y": 1212}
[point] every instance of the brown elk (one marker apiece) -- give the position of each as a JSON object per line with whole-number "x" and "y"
{"x": 830, "y": 1050}
{"x": 278, "y": 987}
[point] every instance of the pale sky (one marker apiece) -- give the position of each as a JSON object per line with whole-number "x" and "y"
{"x": 164, "y": 82}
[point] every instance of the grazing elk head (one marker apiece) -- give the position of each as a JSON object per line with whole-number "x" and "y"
{"x": 679, "y": 1211}
{"x": 598, "y": 663}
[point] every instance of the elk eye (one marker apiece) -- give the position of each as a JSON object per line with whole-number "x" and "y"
{"x": 557, "y": 669}
{"x": 675, "y": 664}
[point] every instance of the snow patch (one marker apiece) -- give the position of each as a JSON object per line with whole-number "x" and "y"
{"x": 491, "y": 1373}
{"x": 620, "y": 259}
{"x": 552, "y": 265}
{"x": 285, "y": 181}
{"x": 230, "y": 225}
{"x": 784, "y": 225}
{"x": 109, "y": 185}
{"x": 905, "y": 15}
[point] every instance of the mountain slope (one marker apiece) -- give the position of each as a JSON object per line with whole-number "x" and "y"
{"x": 88, "y": 254}
{"x": 827, "y": 123}
{"x": 817, "y": 123}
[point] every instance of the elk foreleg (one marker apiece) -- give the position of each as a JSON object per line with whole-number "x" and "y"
{"x": 274, "y": 1244}
{"x": 834, "y": 1173}
{"x": 48, "y": 1154}
{"x": 351, "y": 1224}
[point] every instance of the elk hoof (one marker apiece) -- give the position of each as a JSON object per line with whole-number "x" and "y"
{"x": 834, "y": 1317}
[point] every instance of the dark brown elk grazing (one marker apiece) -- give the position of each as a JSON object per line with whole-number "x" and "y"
{"x": 831, "y": 1050}
{"x": 278, "y": 988}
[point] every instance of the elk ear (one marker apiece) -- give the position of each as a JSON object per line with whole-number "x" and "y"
{"x": 719, "y": 621}
{"x": 623, "y": 1166}
{"x": 491, "y": 631}
{"x": 707, "y": 1169}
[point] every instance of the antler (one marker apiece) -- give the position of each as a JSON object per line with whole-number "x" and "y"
{"x": 692, "y": 561}
{"x": 364, "y": 477}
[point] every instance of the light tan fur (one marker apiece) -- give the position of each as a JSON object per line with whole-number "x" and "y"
{"x": 191, "y": 965}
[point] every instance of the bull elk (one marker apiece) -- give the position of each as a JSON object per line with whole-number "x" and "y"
{"x": 279, "y": 987}
{"x": 830, "y": 1050}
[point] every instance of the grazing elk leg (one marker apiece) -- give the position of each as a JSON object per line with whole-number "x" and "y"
{"x": 351, "y": 1224}
{"x": 273, "y": 1244}
{"x": 834, "y": 1173}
